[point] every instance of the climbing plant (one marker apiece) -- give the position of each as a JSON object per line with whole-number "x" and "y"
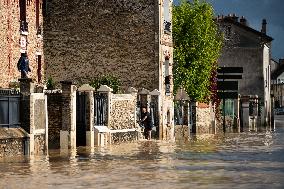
{"x": 197, "y": 46}
{"x": 50, "y": 84}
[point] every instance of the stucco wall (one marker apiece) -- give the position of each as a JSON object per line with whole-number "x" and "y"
{"x": 252, "y": 82}
{"x": 85, "y": 39}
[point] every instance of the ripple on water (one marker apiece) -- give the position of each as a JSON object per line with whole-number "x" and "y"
{"x": 246, "y": 160}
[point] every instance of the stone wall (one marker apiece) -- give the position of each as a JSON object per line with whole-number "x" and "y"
{"x": 54, "y": 108}
{"x": 117, "y": 37}
{"x": 120, "y": 137}
{"x": 10, "y": 40}
{"x": 12, "y": 142}
{"x": 182, "y": 132}
{"x": 11, "y": 147}
{"x": 204, "y": 119}
{"x": 40, "y": 146}
{"x": 250, "y": 59}
{"x": 122, "y": 112}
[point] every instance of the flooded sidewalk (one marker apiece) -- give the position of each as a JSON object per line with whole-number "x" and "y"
{"x": 240, "y": 160}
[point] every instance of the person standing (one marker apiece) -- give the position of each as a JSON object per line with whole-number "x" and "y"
{"x": 23, "y": 65}
{"x": 147, "y": 122}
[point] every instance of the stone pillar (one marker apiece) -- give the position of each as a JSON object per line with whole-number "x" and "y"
{"x": 155, "y": 95}
{"x": 133, "y": 92}
{"x": 238, "y": 126}
{"x": 26, "y": 88}
{"x": 68, "y": 130}
{"x": 145, "y": 98}
{"x": 90, "y": 114}
{"x": 34, "y": 117}
{"x": 272, "y": 113}
{"x": 245, "y": 112}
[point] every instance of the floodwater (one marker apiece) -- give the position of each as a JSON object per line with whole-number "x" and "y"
{"x": 246, "y": 160}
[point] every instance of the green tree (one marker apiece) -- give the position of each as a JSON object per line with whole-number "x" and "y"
{"x": 108, "y": 80}
{"x": 197, "y": 46}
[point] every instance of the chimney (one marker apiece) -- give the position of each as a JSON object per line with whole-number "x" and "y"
{"x": 235, "y": 18}
{"x": 263, "y": 27}
{"x": 243, "y": 21}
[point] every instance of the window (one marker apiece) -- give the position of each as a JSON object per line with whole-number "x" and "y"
{"x": 39, "y": 68}
{"x": 37, "y": 14}
{"x": 23, "y": 10}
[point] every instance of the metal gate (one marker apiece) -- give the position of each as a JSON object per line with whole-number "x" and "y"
{"x": 101, "y": 109}
{"x": 154, "y": 112}
{"x": 9, "y": 108}
{"x": 81, "y": 119}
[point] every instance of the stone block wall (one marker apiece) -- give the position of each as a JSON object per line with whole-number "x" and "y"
{"x": 40, "y": 146}
{"x": 120, "y": 137}
{"x": 11, "y": 147}
{"x": 10, "y": 40}
{"x": 116, "y": 36}
{"x": 12, "y": 142}
{"x": 54, "y": 109}
{"x": 204, "y": 119}
{"x": 182, "y": 132}
{"x": 122, "y": 112}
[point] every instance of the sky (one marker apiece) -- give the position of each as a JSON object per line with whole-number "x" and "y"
{"x": 254, "y": 11}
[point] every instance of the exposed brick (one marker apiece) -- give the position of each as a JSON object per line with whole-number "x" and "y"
{"x": 10, "y": 40}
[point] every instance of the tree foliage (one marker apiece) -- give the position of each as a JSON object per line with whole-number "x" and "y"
{"x": 108, "y": 80}
{"x": 197, "y": 43}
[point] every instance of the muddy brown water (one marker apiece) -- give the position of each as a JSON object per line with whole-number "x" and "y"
{"x": 236, "y": 160}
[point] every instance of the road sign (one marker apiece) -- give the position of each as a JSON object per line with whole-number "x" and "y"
{"x": 227, "y": 85}
{"x": 229, "y": 76}
{"x": 227, "y": 95}
{"x": 230, "y": 70}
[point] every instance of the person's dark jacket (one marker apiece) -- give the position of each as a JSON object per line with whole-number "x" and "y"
{"x": 23, "y": 64}
{"x": 148, "y": 121}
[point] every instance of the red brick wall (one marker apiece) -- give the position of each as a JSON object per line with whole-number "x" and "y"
{"x": 10, "y": 36}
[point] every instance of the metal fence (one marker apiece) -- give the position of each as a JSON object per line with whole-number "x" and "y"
{"x": 9, "y": 108}
{"x": 101, "y": 109}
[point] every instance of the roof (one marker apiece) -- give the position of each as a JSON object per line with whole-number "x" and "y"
{"x": 245, "y": 27}
{"x": 277, "y": 72}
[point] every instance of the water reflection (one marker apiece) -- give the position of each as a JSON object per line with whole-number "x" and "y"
{"x": 241, "y": 160}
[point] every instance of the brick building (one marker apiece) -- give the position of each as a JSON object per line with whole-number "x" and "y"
{"x": 20, "y": 31}
{"x": 129, "y": 39}
{"x": 250, "y": 49}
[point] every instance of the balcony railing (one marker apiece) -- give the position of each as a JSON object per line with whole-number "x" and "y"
{"x": 24, "y": 28}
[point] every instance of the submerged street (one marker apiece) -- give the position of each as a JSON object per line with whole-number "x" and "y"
{"x": 245, "y": 160}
